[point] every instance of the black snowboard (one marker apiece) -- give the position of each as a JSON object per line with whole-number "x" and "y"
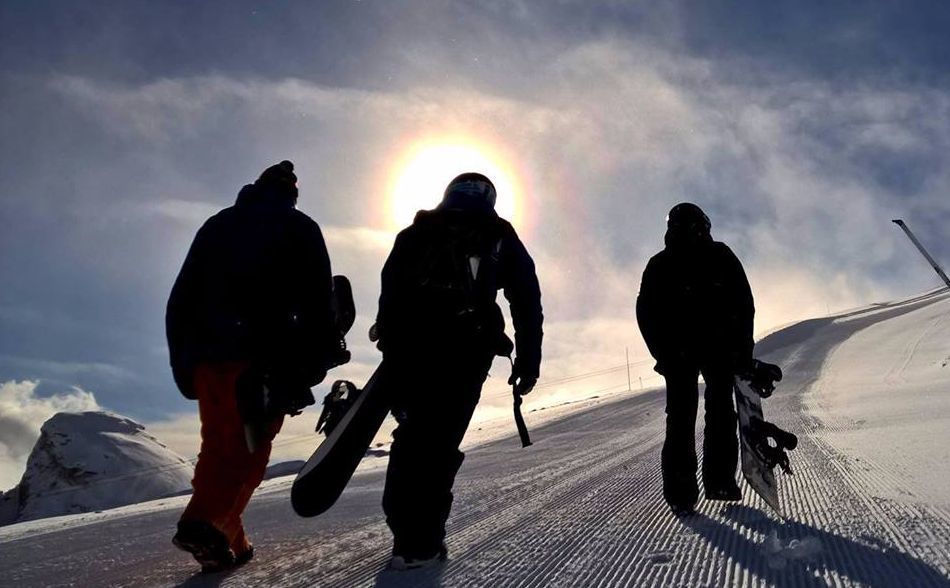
{"x": 763, "y": 444}
{"x": 322, "y": 480}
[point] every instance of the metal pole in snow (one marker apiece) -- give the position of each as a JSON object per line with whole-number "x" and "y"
{"x": 923, "y": 251}
{"x": 626, "y": 351}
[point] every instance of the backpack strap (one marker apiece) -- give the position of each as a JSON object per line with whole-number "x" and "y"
{"x": 519, "y": 418}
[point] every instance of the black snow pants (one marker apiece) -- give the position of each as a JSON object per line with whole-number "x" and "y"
{"x": 433, "y": 412}
{"x": 720, "y": 441}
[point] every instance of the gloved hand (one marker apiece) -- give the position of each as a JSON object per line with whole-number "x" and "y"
{"x": 761, "y": 376}
{"x": 522, "y": 384}
{"x": 764, "y": 376}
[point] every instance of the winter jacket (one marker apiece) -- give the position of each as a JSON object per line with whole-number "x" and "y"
{"x": 439, "y": 289}
{"x": 255, "y": 287}
{"x": 695, "y": 307}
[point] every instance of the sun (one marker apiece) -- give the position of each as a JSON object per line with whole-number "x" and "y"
{"x": 428, "y": 168}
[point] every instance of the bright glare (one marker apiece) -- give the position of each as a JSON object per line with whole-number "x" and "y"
{"x": 421, "y": 181}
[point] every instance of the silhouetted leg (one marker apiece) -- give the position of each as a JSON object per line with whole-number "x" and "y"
{"x": 721, "y": 442}
{"x": 423, "y": 463}
{"x": 221, "y": 468}
{"x": 679, "y": 448}
{"x": 226, "y": 474}
{"x": 254, "y": 469}
{"x": 435, "y": 500}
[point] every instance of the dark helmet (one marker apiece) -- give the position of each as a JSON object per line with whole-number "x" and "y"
{"x": 687, "y": 224}
{"x": 688, "y": 216}
{"x": 469, "y": 191}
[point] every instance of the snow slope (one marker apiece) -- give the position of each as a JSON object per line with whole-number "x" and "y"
{"x": 582, "y": 507}
{"x": 884, "y": 398}
{"x": 92, "y": 461}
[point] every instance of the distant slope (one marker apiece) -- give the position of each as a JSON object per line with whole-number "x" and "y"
{"x": 284, "y": 468}
{"x": 883, "y": 397}
{"x": 877, "y": 380}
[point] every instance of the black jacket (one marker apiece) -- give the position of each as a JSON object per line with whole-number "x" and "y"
{"x": 424, "y": 315}
{"x": 255, "y": 287}
{"x": 695, "y": 307}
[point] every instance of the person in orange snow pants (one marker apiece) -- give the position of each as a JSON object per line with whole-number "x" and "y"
{"x": 250, "y": 327}
{"x": 227, "y": 473}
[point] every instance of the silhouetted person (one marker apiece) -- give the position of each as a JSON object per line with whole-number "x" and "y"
{"x": 252, "y": 302}
{"x": 439, "y": 328}
{"x": 695, "y": 311}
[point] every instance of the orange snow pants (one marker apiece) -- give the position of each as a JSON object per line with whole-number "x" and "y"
{"x": 226, "y": 474}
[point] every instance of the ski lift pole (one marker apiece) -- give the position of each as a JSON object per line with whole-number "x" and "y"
{"x": 933, "y": 263}
{"x": 626, "y": 351}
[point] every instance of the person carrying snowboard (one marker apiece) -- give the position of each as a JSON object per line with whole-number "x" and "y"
{"x": 695, "y": 312}
{"x": 439, "y": 327}
{"x": 251, "y": 305}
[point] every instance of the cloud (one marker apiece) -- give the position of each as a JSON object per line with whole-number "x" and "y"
{"x": 22, "y": 413}
{"x": 800, "y": 175}
{"x": 358, "y": 238}
{"x": 615, "y": 134}
{"x": 70, "y": 370}
{"x": 189, "y": 212}
{"x": 179, "y": 432}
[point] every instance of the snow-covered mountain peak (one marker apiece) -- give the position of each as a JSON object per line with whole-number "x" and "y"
{"x": 93, "y": 461}
{"x": 91, "y": 421}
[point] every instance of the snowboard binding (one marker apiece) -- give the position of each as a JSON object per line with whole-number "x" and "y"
{"x": 344, "y": 315}
{"x": 772, "y": 443}
{"x": 343, "y": 394}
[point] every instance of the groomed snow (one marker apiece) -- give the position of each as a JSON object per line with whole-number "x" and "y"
{"x": 582, "y": 507}
{"x": 884, "y": 399}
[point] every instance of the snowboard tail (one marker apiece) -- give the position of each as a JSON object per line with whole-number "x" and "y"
{"x": 323, "y": 478}
{"x": 763, "y": 444}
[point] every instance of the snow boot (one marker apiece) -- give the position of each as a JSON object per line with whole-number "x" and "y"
{"x": 206, "y": 544}
{"x": 683, "y": 510}
{"x": 244, "y": 557}
{"x": 726, "y": 493}
{"x": 402, "y": 563}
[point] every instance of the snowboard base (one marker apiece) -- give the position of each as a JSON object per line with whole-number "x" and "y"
{"x": 323, "y": 478}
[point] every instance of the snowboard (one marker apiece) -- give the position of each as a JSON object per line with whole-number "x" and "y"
{"x": 322, "y": 479}
{"x": 763, "y": 444}
{"x": 264, "y": 394}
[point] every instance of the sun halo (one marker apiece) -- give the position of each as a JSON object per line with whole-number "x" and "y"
{"x": 420, "y": 181}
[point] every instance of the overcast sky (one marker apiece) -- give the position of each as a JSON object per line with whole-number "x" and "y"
{"x": 801, "y": 128}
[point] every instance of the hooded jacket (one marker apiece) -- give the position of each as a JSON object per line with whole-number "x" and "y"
{"x": 695, "y": 306}
{"x": 420, "y": 317}
{"x": 255, "y": 286}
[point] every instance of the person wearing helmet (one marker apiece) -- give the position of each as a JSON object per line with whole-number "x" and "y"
{"x": 253, "y": 297}
{"x": 695, "y": 312}
{"x": 439, "y": 327}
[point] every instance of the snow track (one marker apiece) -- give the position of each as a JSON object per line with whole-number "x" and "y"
{"x": 582, "y": 507}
